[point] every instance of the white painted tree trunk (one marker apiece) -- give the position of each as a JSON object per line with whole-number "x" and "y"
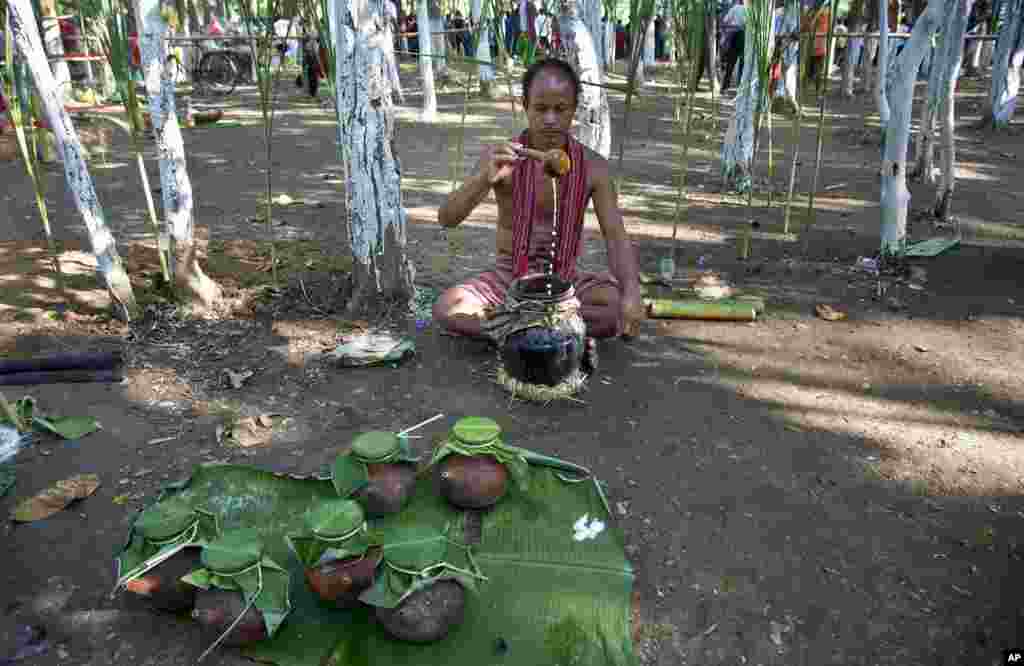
{"x": 869, "y": 72}
{"x": 376, "y": 218}
{"x": 649, "y": 61}
{"x": 439, "y": 44}
{"x": 426, "y": 61}
{"x": 1006, "y": 67}
{"x": 949, "y": 59}
{"x": 483, "y": 47}
{"x": 924, "y": 152}
{"x": 854, "y": 50}
{"x": 881, "y": 74}
{"x": 895, "y": 197}
{"x": 191, "y": 283}
{"x": 738, "y": 146}
{"x": 609, "y": 45}
{"x": 988, "y": 48}
{"x": 24, "y": 32}
{"x": 593, "y": 117}
{"x": 974, "y": 51}
{"x": 786, "y": 86}
{"x": 55, "y": 47}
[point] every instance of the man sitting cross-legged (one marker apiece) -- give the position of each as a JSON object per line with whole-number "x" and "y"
{"x": 610, "y": 302}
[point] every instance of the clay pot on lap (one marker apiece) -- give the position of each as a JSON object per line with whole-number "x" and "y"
{"x": 545, "y": 355}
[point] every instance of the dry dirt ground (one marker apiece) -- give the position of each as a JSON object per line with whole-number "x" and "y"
{"x": 793, "y": 491}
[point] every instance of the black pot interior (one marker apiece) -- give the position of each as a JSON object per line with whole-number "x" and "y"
{"x": 541, "y": 356}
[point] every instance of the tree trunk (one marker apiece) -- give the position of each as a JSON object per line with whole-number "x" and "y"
{"x": 24, "y": 32}
{"x": 376, "y": 218}
{"x": 649, "y": 61}
{"x": 191, "y": 284}
{"x": 711, "y": 50}
{"x": 974, "y": 52}
{"x": 738, "y": 146}
{"x": 1006, "y": 67}
{"x": 949, "y": 61}
{"x": 483, "y": 47}
{"x": 881, "y": 72}
{"x": 426, "y": 61}
{"x": 438, "y": 40}
{"x": 609, "y": 45}
{"x": 924, "y": 153}
{"x": 895, "y": 197}
{"x": 786, "y": 86}
{"x": 55, "y": 46}
{"x": 868, "y": 70}
{"x": 593, "y": 116}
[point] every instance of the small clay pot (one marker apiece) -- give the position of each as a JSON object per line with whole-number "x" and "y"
{"x": 389, "y": 490}
{"x": 215, "y": 610}
{"x": 427, "y": 615}
{"x": 340, "y": 582}
{"x": 472, "y": 482}
{"x": 162, "y": 587}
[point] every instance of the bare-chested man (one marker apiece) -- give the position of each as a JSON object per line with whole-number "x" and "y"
{"x": 610, "y": 302}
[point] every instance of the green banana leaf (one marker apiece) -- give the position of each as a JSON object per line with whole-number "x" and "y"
{"x": 543, "y": 598}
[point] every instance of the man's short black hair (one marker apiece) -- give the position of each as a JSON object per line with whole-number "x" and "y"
{"x": 560, "y": 66}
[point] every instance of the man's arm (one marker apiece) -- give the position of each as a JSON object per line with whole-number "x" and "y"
{"x": 622, "y": 259}
{"x": 462, "y": 201}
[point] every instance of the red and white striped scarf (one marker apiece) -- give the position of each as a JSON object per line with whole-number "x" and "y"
{"x": 572, "y": 203}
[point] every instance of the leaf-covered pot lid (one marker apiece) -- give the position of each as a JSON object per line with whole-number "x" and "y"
{"x": 336, "y": 519}
{"x": 376, "y": 446}
{"x": 415, "y": 548}
{"x": 165, "y": 520}
{"x": 476, "y": 430}
{"x": 234, "y": 552}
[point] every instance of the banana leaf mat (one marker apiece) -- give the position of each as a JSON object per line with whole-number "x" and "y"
{"x": 553, "y": 596}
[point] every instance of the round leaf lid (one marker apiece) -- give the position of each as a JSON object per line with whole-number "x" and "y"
{"x": 476, "y": 430}
{"x": 375, "y": 446}
{"x": 335, "y": 519}
{"x": 236, "y": 551}
{"x": 165, "y": 520}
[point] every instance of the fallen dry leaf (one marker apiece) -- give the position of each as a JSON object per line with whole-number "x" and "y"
{"x": 55, "y": 498}
{"x": 236, "y": 379}
{"x": 828, "y": 313}
{"x": 253, "y": 430}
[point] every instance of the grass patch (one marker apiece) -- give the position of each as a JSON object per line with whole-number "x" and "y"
{"x": 656, "y": 631}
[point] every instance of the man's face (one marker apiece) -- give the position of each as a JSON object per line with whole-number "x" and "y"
{"x": 550, "y": 109}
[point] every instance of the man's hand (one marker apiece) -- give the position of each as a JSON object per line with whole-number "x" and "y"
{"x": 500, "y": 162}
{"x": 633, "y": 312}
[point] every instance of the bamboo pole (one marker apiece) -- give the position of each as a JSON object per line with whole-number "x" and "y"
{"x": 823, "y": 92}
{"x": 29, "y": 154}
{"x": 797, "y": 119}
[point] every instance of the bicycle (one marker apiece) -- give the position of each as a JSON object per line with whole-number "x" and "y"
{"x": 217, "y": 71}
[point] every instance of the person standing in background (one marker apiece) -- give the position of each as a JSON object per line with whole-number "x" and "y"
{"x": 734, "y": 26}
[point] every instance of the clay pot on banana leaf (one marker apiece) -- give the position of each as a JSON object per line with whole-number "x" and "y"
{"x": 240, "y": 580}
{"x": 379, "y": 472}
{"x": 474, "y": 465}
{"x": 161, "y": 553}
{"x": 418, "y": 596}
{"x": 339, "y": 562}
